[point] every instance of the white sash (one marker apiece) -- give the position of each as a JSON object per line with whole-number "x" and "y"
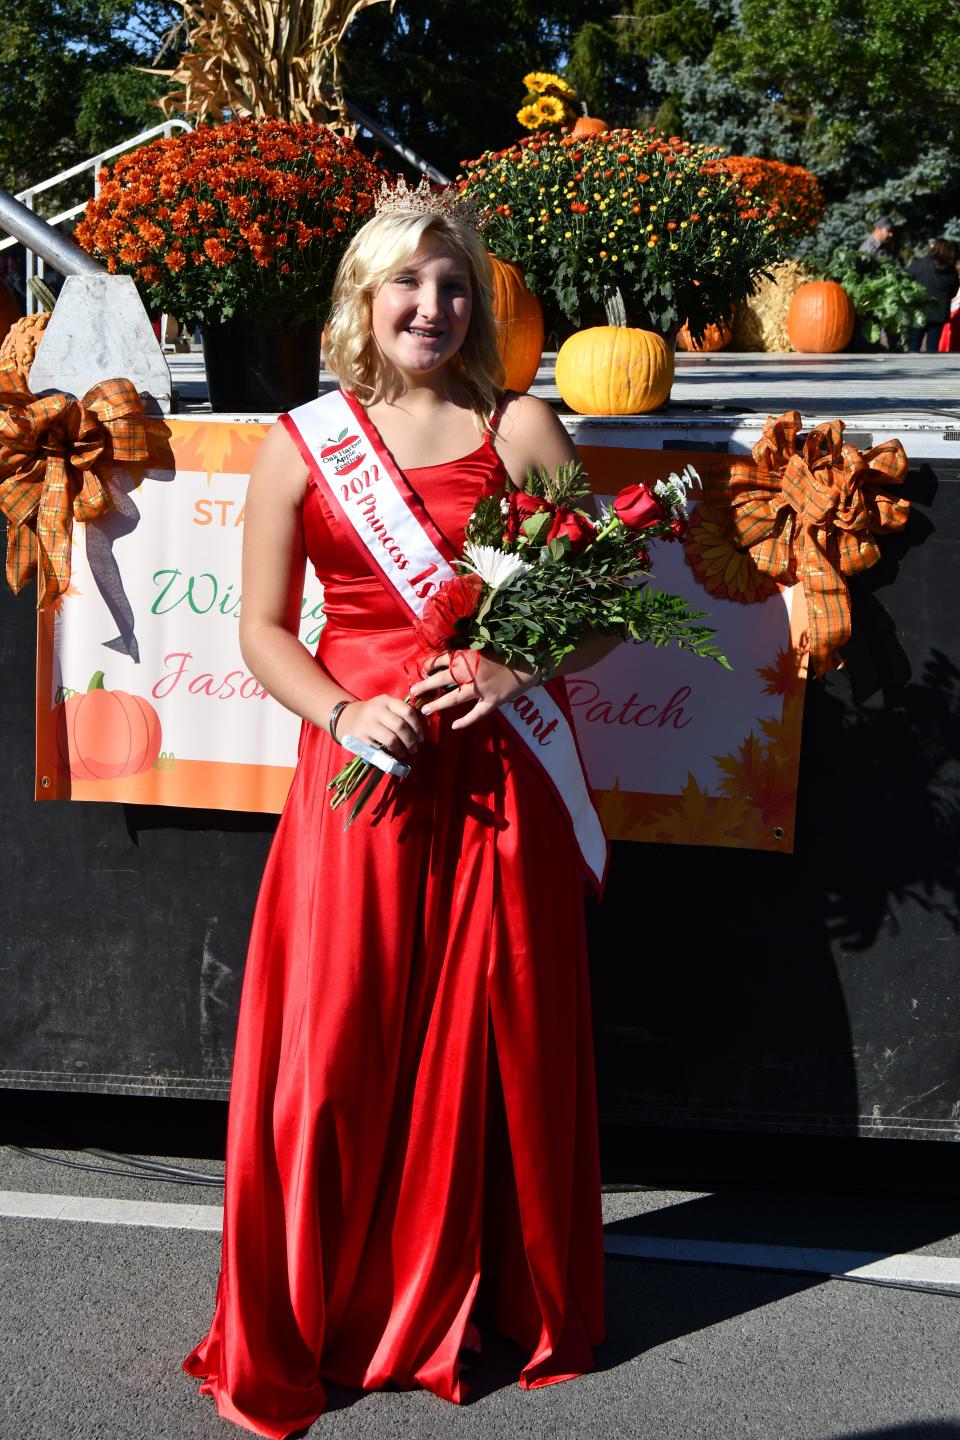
{"x": 393, "y": 532}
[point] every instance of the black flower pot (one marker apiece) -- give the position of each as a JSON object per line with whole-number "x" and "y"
{"x": 253, "y": 366}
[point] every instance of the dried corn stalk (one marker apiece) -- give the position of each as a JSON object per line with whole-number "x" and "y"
{"x": 270, "y": 59}
{"x": 761, "y": 320}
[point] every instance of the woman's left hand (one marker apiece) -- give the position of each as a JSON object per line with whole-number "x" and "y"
{"x": 465, "y": 677}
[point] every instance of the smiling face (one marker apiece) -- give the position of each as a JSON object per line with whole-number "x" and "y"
{"x": 421, "y": 312}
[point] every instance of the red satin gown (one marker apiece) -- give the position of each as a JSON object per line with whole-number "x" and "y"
{"x": 412, "y": 1137}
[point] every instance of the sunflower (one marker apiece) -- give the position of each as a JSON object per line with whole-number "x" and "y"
{"x": 529, "y": 117}
{"x": 537, "y": 81}
{"x": 550, "y": 110}
{"x": 556, "y": 83}
{"x": 719, "y": 564}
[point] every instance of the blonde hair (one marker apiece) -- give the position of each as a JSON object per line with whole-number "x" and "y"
{"x": 379, "y": 248}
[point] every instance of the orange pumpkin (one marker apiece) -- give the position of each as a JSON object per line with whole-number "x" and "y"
{"x": 590, "y": 125}
{"x": 821, "y": 317}
{"x": 614, "y": 370}
{"x": 715, "y": 337}
{"x": 106, "y": 734}
{"x": 10, "y": 311}
{"x": 519, "y": 324}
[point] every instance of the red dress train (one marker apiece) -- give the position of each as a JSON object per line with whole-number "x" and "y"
{"x": 413, "y": 1107}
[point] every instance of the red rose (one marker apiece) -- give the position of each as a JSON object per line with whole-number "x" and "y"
{"x": 637, "y": 507}
{"x": 577, "y": 528}
{"x": 522, "y": 506}
{"x": 679, "y": 526}
{"x": 456, "y": 600}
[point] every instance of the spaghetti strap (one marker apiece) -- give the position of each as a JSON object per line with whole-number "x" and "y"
{"x": 494, "y": 422}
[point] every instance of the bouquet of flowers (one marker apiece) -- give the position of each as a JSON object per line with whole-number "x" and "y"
{"x": 538, "y": 573}
{"x": 549, "y": 101}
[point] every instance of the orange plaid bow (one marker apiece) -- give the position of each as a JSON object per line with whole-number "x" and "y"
{"x": 810, "y": 515}
{"x": 50, "y": 451}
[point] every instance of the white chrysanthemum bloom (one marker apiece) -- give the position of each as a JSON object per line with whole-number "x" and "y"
{"x": 674, "y": 490}
{"x": 495, "y": 567}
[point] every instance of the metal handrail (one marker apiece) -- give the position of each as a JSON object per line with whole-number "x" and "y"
{"x": 44, "y": 241}
{"x": 387, "y": 136}
{"x": 20, "y": 231}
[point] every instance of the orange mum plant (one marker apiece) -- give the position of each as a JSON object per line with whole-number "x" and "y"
{"x": 248, "y": 217}
{"x": 786, "y": 195}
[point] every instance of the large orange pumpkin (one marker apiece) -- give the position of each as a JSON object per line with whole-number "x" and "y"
{"x": 106, "y": 734}
{"x": 590, "y": 125}
{"x": 614, "y": 370}
{"x": 519, "y": 325}
{"x": 821, "y": 317}
{"x": 715, "y": 337}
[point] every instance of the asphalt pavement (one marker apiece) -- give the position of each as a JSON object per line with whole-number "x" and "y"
{"x": 98, "y": 1312}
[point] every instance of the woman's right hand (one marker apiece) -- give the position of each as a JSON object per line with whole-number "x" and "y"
{"x": 385, "y": 721}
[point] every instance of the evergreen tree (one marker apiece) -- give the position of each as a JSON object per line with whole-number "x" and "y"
{"x": 67, "y": 86}
{"x": 447, "y": 75}
{"x": 864, "y": 93}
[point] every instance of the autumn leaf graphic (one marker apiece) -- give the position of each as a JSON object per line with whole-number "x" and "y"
{"x": 65, "y": 595}
{"x": 700, "y": 818}
{"x": 778, "y": 734}
{"x": 764, "y": 776}
{"x": 785, "y": 675}
{"x": 213, "y": 446}
{"x": 619, "y": 811}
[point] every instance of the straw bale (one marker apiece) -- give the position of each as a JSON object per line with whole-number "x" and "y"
{"x": 761, "y": 320}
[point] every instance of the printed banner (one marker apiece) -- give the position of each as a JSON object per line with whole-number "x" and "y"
{"x": 150, "y": 620}
{"x": 678, "y": 750}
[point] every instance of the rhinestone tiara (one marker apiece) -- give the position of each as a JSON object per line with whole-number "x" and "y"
{"x": 427, "y": 199}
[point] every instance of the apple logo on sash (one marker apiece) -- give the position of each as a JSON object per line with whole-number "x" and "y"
{"x": 346, "y": 452}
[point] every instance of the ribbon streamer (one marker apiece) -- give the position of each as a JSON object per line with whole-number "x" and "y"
{"x": 810, "y": 514}
{"x": 54, "y": 454}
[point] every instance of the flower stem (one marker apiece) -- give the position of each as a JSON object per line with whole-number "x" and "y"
{"x": 370, "y": 784}
{"x": 358, "y": 776}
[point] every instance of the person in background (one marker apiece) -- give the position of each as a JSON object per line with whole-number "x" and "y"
{"x": 950, "y": 334}
{"x": 937, "y": 273}
{"x": 880, "y": 240}
{"x": 11, "y": 275}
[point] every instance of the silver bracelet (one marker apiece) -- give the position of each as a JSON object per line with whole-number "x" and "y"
{"x": 335, "y": 714}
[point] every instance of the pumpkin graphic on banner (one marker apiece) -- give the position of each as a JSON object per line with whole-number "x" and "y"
{"x": 105, "y": 734}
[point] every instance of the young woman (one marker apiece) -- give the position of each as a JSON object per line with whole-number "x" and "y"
{"x": 412, "y": 1139}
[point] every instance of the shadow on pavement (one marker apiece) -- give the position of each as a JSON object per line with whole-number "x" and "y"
{"x": 919, "y": 1430}
{"x": 650, "y": 1305}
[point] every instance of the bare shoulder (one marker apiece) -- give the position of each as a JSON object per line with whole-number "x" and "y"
{"x": 531, "y": 433}
{"x": 279, "y": 467}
